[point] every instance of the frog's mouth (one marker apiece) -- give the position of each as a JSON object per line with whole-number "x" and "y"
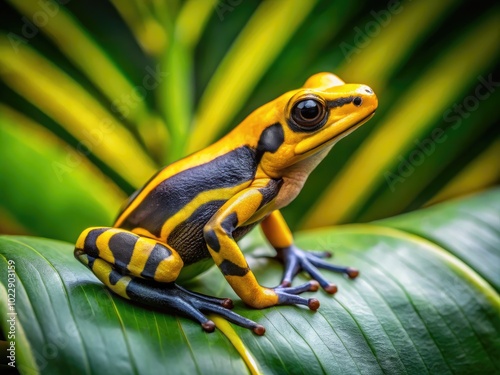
{"x": 313, "y": 143}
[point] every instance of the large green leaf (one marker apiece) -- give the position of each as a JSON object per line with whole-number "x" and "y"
{"x": 416, "y": 307}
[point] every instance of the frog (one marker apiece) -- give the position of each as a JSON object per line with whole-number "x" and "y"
{"x": 192, "y": 213}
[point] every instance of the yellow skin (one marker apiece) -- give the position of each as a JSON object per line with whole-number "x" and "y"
{"x": 198, "y": 207}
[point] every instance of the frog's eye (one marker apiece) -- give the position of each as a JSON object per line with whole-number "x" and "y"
{"x": 309, "y": 114}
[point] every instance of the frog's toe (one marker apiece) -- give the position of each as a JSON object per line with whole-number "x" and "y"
{"x": 196, "y": 305}
{"x": 174, "y": 298}
{"x": 289, "y": 295}
{"x": 231, "y": 316}
{"x": 296, "y": 260}
{"x": 350, "y": 272}
{"x": 310, "y": 286}
{"x": 320, "y": 254}
{"x": 224, "y": 302}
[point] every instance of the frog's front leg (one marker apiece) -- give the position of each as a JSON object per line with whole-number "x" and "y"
{"x": 144, "y": 270}
{"x": 295, "y": 259}
{"x": 218, "y": 233}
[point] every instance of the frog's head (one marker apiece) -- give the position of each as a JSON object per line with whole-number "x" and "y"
{"x": 312, "y": 119}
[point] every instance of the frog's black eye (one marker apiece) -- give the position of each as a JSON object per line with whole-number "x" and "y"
{"x": 309, "y": 114}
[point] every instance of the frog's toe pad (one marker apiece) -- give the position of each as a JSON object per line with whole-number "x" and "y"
{"x": 352, "y": 272}
{"x": 208, "y": 326}
{"x": 313, "y": 304}
{"x": 259, "y": 330}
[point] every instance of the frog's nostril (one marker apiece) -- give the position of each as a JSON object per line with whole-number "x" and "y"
{"x": 357, "y": 101}
{"x": 369, "y": 91}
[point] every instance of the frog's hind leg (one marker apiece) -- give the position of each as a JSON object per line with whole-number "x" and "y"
{"x": 129, "y": 254}
{"x": 144, "y": 270}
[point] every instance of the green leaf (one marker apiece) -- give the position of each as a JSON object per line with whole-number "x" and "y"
{"x": 472, "y": 236}
{"x": 415, "y": 308}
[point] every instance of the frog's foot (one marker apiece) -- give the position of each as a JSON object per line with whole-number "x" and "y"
{"x": 175, "y": 298}
{"x": 296, "y": 260}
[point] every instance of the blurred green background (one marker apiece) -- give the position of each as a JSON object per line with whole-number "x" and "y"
{"x": 97, "y": 95}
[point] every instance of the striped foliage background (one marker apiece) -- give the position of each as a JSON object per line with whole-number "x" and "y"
{"x": 97, "y": 95}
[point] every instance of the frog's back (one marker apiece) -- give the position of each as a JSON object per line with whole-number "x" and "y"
{"x": 174, "y": 207}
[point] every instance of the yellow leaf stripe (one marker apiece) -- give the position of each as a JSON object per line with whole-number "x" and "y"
{"x": 479, "y": 174}
{"x": 192, "y": 19}
{"x": 238, "y": 344}
{"x": 176, "y": 92}
{"x": 147, "y": 30}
